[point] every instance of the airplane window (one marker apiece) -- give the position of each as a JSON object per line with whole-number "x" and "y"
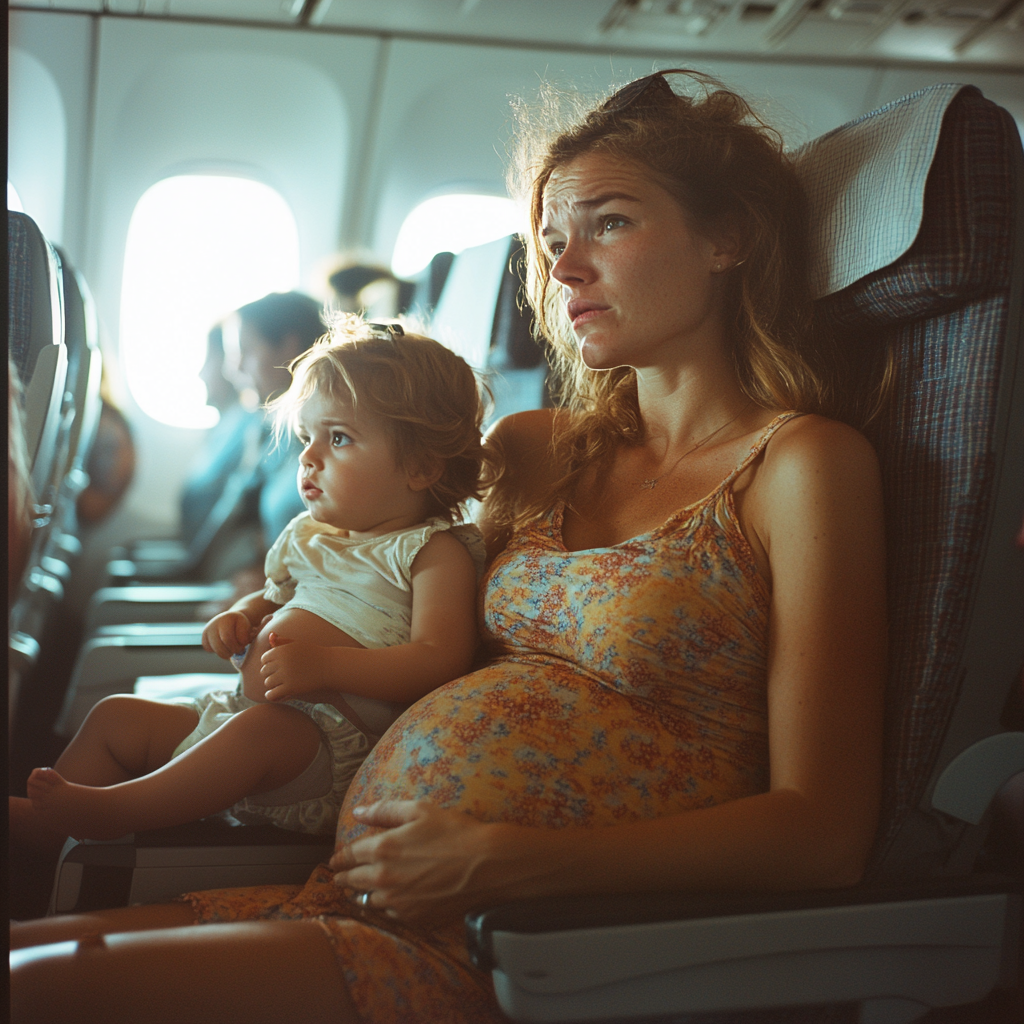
{"x": 450, "y": 224}
{"x": 199, "y": 246}
{"x": 13, "y": 199}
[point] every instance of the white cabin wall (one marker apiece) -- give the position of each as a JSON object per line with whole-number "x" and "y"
{"x": 281, "y": 108}
{"x": 62, "y": 44}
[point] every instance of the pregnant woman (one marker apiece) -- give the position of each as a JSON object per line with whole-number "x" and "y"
{"x": 684, "y": 616}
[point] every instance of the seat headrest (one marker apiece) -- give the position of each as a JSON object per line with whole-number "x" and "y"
{"x": 865, "y": 184}
{"x": 34, "y": 310}
{"x": 963, "y": 250}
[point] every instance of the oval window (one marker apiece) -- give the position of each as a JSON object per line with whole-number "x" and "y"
{"x": 199, "y": 246}
{"x": 450, "y": 224}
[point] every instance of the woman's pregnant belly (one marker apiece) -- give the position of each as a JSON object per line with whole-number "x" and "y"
{"x": 538, "y": 742}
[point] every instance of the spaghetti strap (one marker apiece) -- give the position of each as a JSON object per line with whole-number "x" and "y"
{"x": 762, "y": 442}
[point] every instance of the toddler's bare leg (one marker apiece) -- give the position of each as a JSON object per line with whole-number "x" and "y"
{"x": 122, "y": 737}
{"x": 259, "y": 749}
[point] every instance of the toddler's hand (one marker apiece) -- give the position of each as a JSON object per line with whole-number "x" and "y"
{"x": 228, "y": 633}
{"x": 292, "y": 668}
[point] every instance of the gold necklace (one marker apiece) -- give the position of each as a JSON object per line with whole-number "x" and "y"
{"x": 651, "y": 482}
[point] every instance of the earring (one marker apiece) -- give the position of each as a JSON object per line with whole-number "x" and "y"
{"x": 718, "y": 266}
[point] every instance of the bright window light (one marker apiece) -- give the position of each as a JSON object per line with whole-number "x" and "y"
{"x": 451, "y": 224}
{"x": 13, "y": 199}
{"x": 199, "y": 246}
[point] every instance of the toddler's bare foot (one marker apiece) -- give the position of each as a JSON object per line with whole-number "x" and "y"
{"x": 85, "y": 812}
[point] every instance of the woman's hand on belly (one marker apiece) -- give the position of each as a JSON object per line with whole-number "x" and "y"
{"x": 432, "y": 865}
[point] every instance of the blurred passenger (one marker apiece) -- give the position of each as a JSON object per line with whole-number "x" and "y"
{"x": 224, "y": 445}
{"x": 272, "y": 331}
{"x": 369, "y": 289}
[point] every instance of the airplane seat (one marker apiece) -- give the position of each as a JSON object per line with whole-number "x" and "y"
{"x": 60, "y": 545}
{"x": 934, "y": 272}
{"x": 39, "y": 356}
{"x": 167, "y": 580}
{"x": 36, "y": 346}
{"x": 85, "y": 366}
{"x": 229, "y": 526}
{"x": 427, "y": 287}
{"x": 516, "y": 360}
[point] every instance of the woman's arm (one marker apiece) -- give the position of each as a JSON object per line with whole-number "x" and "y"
{"x": 816, "y": 510}
{"x": 442, "y": 640}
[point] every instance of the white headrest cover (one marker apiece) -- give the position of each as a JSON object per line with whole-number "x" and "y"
{"x": 865, "y": 187}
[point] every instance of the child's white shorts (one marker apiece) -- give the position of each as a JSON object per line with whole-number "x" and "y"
{"x": 311, "y": 802}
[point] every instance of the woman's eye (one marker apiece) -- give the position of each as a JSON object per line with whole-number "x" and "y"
{"x": 556, "y": 249}
{"x": 611, "y": 223}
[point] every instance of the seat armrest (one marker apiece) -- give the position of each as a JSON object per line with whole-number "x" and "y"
{"x": 898, "y": 950}
{"x": 159, "y": 865}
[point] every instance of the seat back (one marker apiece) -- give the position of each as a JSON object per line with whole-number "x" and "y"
{"x": 483, "y": 315}
{"x": 35, "y": 315}
{"x": 81, "y": 336}
{"x": 951, "y": 446}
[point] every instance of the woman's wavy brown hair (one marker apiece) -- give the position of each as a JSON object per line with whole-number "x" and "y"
{"x": 428, "y": 398}
{"x": 728, "y": 171}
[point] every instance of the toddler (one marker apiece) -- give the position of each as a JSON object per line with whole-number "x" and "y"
{"x": 369, "y": 605}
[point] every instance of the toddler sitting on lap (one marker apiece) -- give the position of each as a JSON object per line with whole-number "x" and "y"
{"x": 369, "y": 605}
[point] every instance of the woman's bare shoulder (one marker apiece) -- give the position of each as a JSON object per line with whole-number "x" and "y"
{"x": 524, "y": 434}
{"x": 811, "y": 442}
{"x": 815, "y": 460}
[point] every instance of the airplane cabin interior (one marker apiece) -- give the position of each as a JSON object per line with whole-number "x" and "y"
{"x": 173, "y": 162}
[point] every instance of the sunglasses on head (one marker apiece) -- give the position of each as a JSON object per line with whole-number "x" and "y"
{"x": 629, "y": 94}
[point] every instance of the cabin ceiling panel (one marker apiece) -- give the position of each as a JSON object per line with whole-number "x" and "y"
{"x": 282, "y": 11}
{"x": 957, "y": 31}
{"x": 84, "y": 6}
{"x": 912, "y": 30}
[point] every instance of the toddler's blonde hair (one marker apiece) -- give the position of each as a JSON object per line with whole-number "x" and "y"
{"x": 428, "y": 398}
